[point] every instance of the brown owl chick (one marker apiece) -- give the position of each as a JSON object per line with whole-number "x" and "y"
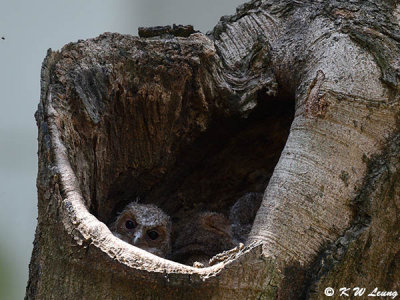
{"x": 202, "y": 237}
{"x": 242, "y": 215}
{"x": 145, "y": 226}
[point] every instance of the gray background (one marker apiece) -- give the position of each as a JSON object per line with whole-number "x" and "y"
{"x": 30, "y": 28}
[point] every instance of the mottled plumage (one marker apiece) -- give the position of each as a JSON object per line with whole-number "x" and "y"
{"x": 203, "y": 236}
{"x": 242, "y": 215}
{"x": 145, "y": 226}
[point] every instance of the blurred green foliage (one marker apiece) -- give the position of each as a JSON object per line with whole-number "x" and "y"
{"x": 8, "y": 278}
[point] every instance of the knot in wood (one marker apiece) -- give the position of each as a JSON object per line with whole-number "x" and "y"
{"x": 316, "y": 104}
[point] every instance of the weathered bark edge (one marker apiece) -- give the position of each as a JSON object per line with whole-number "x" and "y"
{"x": 383, "y": 80}
{"x": 87, "y": 232}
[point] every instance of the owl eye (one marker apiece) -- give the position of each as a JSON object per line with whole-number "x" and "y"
{"x": 130, "y": 224}
{"x": 153, "y": 234}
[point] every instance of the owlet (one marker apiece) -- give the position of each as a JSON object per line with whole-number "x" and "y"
{"x": 145, "y": 226}
{"x": 202, "y": 237}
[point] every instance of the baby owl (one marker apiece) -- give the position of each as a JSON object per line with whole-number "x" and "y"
{"x": 203, "y": 236}
{"x": 145, "y": 226}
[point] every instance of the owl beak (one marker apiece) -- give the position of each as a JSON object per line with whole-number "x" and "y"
{"x": 136, "y": 238}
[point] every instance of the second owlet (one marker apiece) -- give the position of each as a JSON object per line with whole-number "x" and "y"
{"x": 202, "y": 237}
{"x": 145, "y": 226}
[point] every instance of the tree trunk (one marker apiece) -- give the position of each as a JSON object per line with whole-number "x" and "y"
{"x": 299, "y": 100}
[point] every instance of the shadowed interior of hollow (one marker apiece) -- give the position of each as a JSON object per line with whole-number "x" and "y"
{"x": 234, "y": 156}
{"x": 171, "y": 150}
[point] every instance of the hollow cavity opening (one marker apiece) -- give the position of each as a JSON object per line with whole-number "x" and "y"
{"x": 214, "y": 187}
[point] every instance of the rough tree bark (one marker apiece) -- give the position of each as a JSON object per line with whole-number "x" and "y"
{"x": 299, "y": 99}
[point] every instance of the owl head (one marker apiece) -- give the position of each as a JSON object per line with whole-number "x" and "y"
{"x": 145, "y": 226}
